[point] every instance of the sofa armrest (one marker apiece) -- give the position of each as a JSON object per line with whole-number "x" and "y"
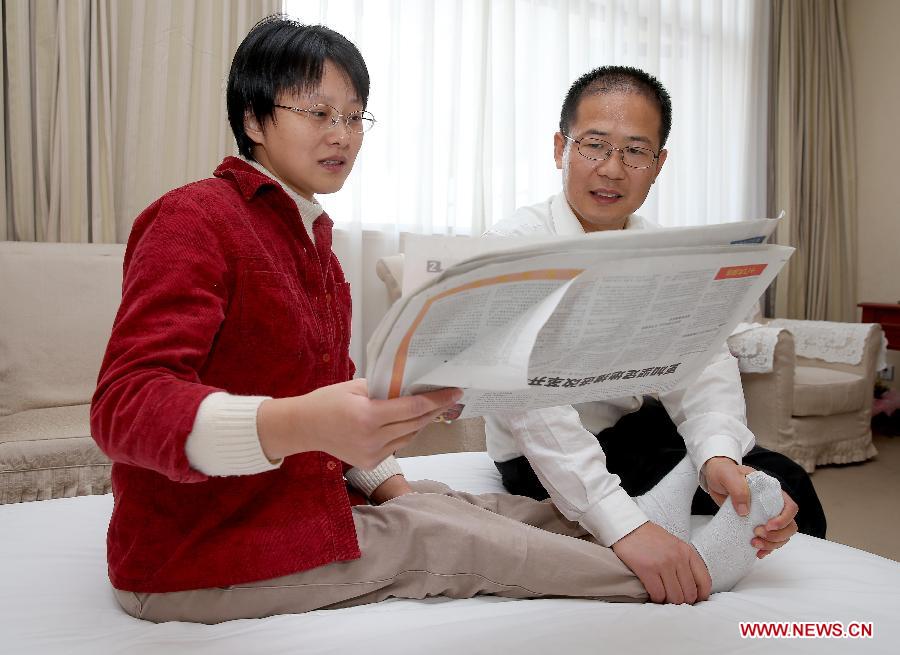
{"x": 390, "y": 270}
{"x": 770, "y": 396}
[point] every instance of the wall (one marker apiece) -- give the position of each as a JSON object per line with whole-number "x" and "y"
{"x": 370, "y": 297}
{"x": 874, "y": 53}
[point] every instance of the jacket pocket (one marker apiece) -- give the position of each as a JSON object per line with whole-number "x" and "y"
{"x": 274, "y": 313}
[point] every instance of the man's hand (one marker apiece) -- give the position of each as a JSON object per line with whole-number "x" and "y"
{"x": 670, "y": 569}
{"x": 394, "y": 486}
{"x": 343, "y": 421}
{"x": 724, "y": 477}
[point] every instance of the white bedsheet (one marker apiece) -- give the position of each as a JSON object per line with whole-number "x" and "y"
{"x": 55, "y": 598}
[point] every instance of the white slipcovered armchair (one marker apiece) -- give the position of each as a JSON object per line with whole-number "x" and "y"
{"x": 809, "y": 387}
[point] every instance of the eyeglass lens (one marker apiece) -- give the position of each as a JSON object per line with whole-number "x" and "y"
{"x": 327, "y": 116}
{"x": 600, "y": 150}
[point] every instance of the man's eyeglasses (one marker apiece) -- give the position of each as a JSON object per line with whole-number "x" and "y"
{"x": 325, "y": 117}
{"x": 591, "y": 147}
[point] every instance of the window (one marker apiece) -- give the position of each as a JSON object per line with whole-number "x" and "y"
{"x": 467, "y": 95}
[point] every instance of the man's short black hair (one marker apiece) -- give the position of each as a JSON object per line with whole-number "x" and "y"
{"x": 618, "y": 78}
{"x": 281, "y": 54}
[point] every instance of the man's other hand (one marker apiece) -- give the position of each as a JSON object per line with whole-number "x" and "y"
{"x": 670, "y": 569}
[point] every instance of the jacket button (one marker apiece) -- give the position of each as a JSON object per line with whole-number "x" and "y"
{"x": 326, "y": 357}
{"x": 331, "y": 465}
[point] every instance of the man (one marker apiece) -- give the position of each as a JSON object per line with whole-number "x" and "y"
{"x": 613, "y": 127}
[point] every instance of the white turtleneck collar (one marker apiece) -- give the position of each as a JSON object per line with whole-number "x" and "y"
{"x": 309, "y": 210}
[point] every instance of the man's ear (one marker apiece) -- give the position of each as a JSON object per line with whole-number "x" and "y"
{"x": 659, "y": 163}
{"x": 559, "y": 147}
{"x": 253, "y": 128}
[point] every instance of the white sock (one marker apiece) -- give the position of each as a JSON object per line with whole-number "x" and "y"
{"x": 668, "y": 504}
{"x": 724, "y": 542}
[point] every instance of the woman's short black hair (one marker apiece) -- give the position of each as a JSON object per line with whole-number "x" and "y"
{"x": 618, "y": 78}
{"x": 281, "y": 54}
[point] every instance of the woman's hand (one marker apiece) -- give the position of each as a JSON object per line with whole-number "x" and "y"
{"x": 343, "y": 421}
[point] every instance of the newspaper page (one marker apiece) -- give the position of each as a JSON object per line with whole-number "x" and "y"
{"x": 570, "y": 321}
{"x": 427, "y": 257}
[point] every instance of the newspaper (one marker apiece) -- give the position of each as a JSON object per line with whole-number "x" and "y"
{"x": 523, "y": 323}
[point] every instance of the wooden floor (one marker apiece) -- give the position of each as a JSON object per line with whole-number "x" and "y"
{"x": 862, "y": 501}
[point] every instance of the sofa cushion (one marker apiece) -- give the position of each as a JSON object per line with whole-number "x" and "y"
{"x": 49, "y": 453}
{"x": 825, "y": 391}
{"x": 57, "y": 304}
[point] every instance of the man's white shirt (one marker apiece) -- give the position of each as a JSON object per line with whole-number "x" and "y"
{"x": 559, "y": 442}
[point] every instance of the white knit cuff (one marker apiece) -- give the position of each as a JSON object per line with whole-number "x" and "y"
{"x": 224, "y": 440}
{"x": 369, "y": 481}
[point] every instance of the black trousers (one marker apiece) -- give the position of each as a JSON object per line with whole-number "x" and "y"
{"x": 645, "y": 445}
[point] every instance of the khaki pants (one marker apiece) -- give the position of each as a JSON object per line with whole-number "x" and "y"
{"x": 434, "y": 542}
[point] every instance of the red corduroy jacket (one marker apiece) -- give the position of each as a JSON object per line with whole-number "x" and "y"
{"x": 223, "y": 290}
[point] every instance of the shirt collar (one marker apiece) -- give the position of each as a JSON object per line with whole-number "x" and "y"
{"x": 566, "y": 223}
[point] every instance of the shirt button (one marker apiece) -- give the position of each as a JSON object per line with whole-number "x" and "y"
{"x": 327, "y": 297}
{"x": 331, "y": 465}
{"x": 326, "y": 357}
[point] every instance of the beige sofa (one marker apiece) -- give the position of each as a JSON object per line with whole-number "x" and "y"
{"x": 57, "y": 303}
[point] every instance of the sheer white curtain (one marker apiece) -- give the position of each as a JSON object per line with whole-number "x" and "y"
{"x": 467, "y": 95}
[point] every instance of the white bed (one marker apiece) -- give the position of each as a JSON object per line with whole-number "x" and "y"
{"x": 55, "y": 598}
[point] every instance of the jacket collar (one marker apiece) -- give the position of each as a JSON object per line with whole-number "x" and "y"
{"x": 248, "y": 179}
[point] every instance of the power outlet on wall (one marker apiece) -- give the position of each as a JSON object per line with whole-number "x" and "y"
{"x": 887, "y": 373}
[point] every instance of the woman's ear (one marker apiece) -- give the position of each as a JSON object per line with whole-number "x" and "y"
{"x": 253, "y": 128}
